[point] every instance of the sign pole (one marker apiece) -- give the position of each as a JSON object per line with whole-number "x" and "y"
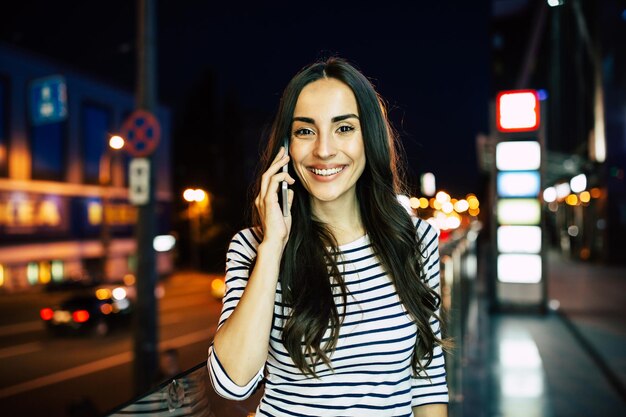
{"x": 145, "y": 325}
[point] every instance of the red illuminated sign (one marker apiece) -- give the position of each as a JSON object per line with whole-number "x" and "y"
{"x": 517, "y": 111}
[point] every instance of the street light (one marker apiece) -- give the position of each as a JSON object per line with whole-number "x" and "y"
{"x": 198, "y": 200}
{"x": 106, "y": 173}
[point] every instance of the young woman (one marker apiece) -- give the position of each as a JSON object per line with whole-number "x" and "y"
{"x": 335, "y": 304}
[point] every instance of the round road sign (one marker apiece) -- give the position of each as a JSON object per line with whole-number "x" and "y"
{"x": 142, "y": 132}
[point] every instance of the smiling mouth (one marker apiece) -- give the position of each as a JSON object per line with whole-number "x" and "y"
{"x": 327, "y": 172}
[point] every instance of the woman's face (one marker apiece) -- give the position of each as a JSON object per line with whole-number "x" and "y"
{"x": 326, "y": 147}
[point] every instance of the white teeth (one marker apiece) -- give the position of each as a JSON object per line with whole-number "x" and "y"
{"x": 326, "y": 172}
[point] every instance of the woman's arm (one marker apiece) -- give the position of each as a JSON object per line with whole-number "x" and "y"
{"x": 431, "y": 410}
{"x": 241, "y": 343}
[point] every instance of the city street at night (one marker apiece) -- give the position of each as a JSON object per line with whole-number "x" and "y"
{"x": 250, "y": 209}
{"x": 43, "y": 374}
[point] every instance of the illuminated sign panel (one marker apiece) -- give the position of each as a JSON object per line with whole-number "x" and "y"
{"x": 519, "y": 268}
{"x": 518, "y": 184}
{"x": 517, "y": 111}
{"x": 518, "y": 156}
{"x": 519, "y": 211}
{"x": 22, "y": 213}
{"x": 519, "y": 239}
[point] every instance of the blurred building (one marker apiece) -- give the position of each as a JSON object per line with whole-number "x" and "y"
{"x": 63, "y": 190}
{"x": 573, "y": 54}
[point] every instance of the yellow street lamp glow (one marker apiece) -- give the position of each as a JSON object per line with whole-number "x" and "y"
{"x": 447, "y": 207}
{"x": 116, "y": 142}
{"x": 461, "y": 206}
{"x": 423, "y": 203}
{"x": 453, "y": 222}
{"x": 585, "y": 197}
{"x": 414, "y": 202}
{"x": 474, "y": 211}
{"x": 436, "y": 205}
{"x": 442, "y": 197}
{"x": 473, "y": 202}
{"x": 197, "y": 195}
{"x": 572, "y": 200}
{"x": 200, "y": 195}
{"x": 189, "y": 194}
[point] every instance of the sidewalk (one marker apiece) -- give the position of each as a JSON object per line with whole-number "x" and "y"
{"x": 592, "y": 300}
{"x": 570, "y": 362}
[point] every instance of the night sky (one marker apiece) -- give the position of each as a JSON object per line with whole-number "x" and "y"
{"x": 429, "y": 60}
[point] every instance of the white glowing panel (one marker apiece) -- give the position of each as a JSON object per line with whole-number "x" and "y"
{"x": 519, "y": 352}
{"x": 549, "y": 194}
{"x": 578, "y": 184}
{"x": 518, "y": 184}
{"x": 163, "y": 243}
{"x": 522, "y": 384}
{"x": 517, "y": 111}
{"x": 519, "y": 211}
{"x": 518, "y": 156}
{"x": 519, "y": 239}
{"x": 429, "y": 187}
{"x": 562, "y": 190}
{"x": 519, "y": 268}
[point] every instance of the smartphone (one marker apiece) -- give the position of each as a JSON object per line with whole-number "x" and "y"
{"x": 284, "y": 188}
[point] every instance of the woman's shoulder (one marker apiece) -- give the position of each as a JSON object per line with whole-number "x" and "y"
{"x": 424, "y": 229}
{"x": 247, "y": 239}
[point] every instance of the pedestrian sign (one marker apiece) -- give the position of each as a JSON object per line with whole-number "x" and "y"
{"x": 142, "y": 132}
{"x": 48, "y": 100}
{"x": 139, "y": 181}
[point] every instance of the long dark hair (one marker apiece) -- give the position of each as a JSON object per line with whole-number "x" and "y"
{"x": 306, "y": 282}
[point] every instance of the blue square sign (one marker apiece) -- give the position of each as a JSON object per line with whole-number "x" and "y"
{"x": 48, "y": 100}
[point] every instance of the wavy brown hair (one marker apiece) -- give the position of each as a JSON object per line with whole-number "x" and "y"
{"x": 308, "y": 266}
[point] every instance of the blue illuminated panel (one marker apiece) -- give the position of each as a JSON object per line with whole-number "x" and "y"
{"x": 518, "y": 184}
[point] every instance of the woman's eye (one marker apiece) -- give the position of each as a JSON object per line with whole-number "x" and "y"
{"x": 303, "y": 132}
{"x": 345, "y": 129}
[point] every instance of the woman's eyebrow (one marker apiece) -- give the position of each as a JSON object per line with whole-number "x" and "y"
{"x": 344, "y": 117}
{"x": 334, "y": 119}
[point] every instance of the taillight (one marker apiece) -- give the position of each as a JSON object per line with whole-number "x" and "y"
{"x": 80, "y": 316}
{"x": 46, "y": 314}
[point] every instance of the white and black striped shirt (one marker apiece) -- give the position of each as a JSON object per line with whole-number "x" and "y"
{"x": 371, "y": 366}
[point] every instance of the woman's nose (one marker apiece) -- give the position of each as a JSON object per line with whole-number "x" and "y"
{"x": 325, "y": 146}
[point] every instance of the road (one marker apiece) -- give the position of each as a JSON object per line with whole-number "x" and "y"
{"x": 41, "y": 375}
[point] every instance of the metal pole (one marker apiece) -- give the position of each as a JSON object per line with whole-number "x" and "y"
{"x": 105, "y": 231}
{"x": 145, "y": 326}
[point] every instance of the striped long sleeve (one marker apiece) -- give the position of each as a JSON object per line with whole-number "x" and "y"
{"x": 433, "y": 388}
{"x": 239, "y": 257}
{"x": 371, "y": 371}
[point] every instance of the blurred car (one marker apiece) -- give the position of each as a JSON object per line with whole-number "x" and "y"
{"x": 94, "y": 311}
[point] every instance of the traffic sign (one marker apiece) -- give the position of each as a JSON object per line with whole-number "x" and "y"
{"x": 139, "y": 181}
{"x": 48, "y": 100}
{"x": 142, "y": 132}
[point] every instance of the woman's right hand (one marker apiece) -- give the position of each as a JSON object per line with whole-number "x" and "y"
{"x": 276, "y": 227}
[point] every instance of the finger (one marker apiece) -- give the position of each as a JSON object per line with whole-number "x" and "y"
{"x": 271, "y": 171}
{"x": 290, "y": 195}
{"x": 275, "y": 186}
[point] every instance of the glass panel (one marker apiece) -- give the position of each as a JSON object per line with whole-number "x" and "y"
{"x": 47, "y": 147}
{"x": 183, "y": 396}
{"x": 95, "y": 128}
